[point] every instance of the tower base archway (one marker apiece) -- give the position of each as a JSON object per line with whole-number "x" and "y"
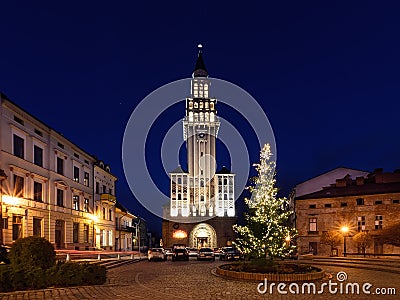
{"x": 203, "y": 235}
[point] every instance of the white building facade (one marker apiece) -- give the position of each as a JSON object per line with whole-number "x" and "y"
{"x": 48, "y": 188}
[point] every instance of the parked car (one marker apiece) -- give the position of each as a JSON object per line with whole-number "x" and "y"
{"x": 230, "y": 253}
{"x": 217, "y": 252}
{"x": 4, "y": 250}
{"x": 168, "y": 252}
{"x": 206, "y": 253}
{"x": 180, "y": 254}
{"x": 192, "y": 252}
{"x": 156, "y": 254}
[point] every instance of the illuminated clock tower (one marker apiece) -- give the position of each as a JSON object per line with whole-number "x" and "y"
{"x": 202, "y": 203}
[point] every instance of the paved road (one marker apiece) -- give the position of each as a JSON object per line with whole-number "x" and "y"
{"x": 196, "y": 280}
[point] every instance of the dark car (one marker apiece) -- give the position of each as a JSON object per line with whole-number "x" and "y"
{"x": 206, "y": 253}
{"x": 4, "y": 254}
{"x": 230, "y": 253}
{"x": 180, "y": 254}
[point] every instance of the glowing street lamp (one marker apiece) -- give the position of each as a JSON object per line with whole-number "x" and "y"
{"x": 345, "y": 231}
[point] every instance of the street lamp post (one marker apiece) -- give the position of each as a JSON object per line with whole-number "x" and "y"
{"x": 3, "y": 177}
{"x": 344, "y": 230}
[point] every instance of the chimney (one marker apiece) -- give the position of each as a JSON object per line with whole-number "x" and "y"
{"x": 341, "y": 182}
{"x": 359, "y": 180}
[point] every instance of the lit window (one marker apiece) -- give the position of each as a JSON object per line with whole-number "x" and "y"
{"x": 18, "y": 186}
{"x": 86, "y": 205}
{"x": 75, "y": 202}
{"x": 313, "y": 224}
{"x": 378, "y": 222}
{"x": 76, "y": 174}
{"x": 86, "y": 179}
{"x": 110, "y": 238}
{"x": 361, "y": 223}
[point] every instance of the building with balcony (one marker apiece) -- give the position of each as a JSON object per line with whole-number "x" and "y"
{"x": 345, "y": 198}
{"x": 48, "y": 184}
{"x": 125, "y": 228}
{"x": 104, "y": 203}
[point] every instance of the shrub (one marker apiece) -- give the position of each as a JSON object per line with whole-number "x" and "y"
{"x": 71, "y": 273}
{"x": 32, "y": 252}
{"x": 5, "y": 279}
{"x": 33, "y": 266}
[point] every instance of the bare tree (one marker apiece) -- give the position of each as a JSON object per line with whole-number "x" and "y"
{"x": 364, "y": 240}
{"x": 331, "y": 238}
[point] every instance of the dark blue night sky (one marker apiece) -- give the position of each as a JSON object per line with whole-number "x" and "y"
{"x": 325, "y": 73}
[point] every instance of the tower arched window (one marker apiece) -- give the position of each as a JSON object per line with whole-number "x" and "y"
{"x": 206, "y": 105}
{"x": 195, "y": 89}
{"x": 201, "y": 94}
{"x": 196, "y": 105}
{"x": 212, "y": 105}
{"x": 201, "y": 105}
{"x": 191, "y": 105}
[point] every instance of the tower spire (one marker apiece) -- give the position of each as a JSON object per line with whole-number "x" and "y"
{"x": 200, "y": 69}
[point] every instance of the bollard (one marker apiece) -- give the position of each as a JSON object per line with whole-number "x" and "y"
{"x": 131, "y": 256}
{"x": 119, "y": 257}
{"x": 68, "y": 258}
{"x": 98, "y": 257}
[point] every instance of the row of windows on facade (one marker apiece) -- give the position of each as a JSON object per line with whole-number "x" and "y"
{"x": 17, "y": 231}
{"x": 38, "y": 132}
{"x": 200, "y": 105}
{"x": 19, "y": 151}
{"x": 38, "y": 160}
{"x": 221, "y": 181}
{"x": 359, "y": 201}
{"x": 361, "y": 223}
{"x": 220, "y": 197}
{"x": 38, "y": 194}
{"x": 19, "y": 185}
{"x": 200, "y": 90}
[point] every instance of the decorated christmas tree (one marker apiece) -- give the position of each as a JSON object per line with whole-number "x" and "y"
{"x": 267, "y": 232}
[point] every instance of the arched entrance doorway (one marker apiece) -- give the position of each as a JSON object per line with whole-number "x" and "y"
{"x": 203, "y": 235}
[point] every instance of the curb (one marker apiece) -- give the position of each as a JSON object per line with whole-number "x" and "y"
{"x": 269, "y": 277}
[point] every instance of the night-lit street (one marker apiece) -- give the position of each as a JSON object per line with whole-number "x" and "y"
{"x": 195, "y": 280}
